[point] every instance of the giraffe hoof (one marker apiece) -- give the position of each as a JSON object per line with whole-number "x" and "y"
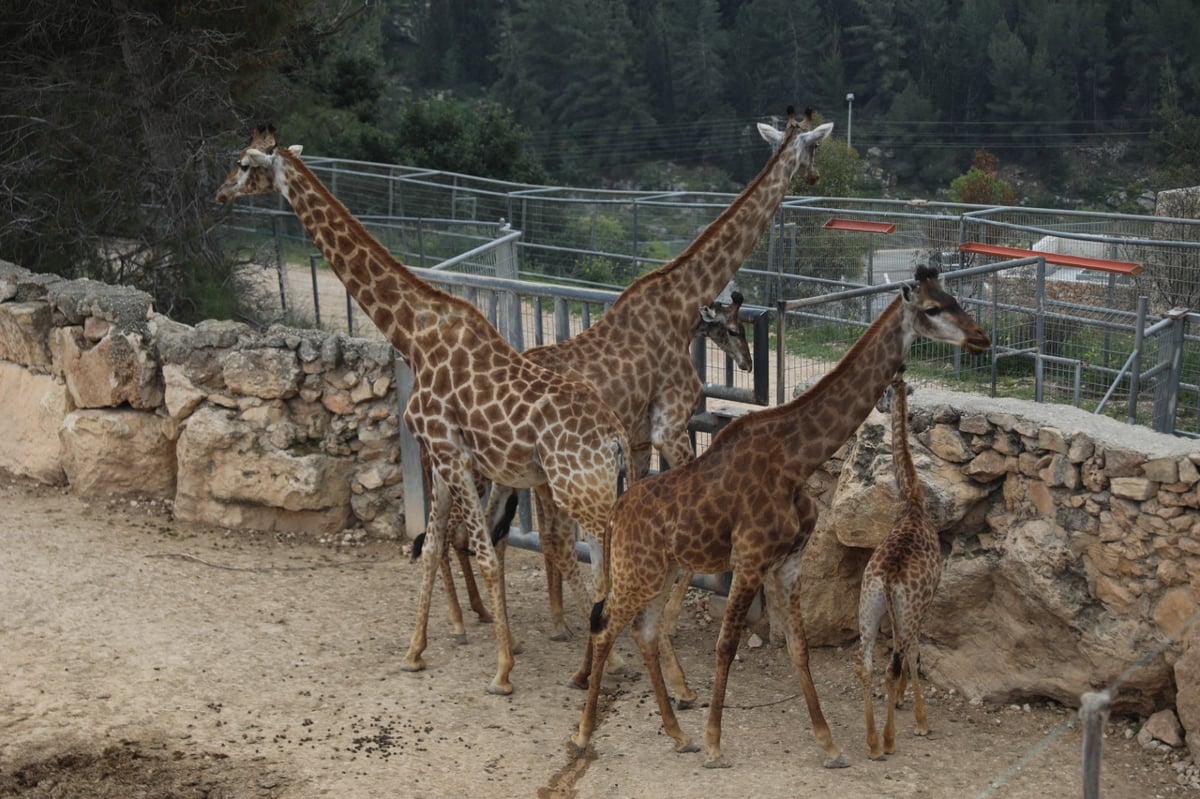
{"x": 685, "y": 703}
{"x": 878, "y": 756}
{"x": 921, "y": 732}
{"x": 518, "y": 647}
{"x": 499, "y": 689}
{"x": 687, "y": 746}
{"x": 837, "y": 762}
{"x": 576, "y": 749}
{"x": 717, "y": 762}
{"x": 412, "y": 665}
{"x": 578, "y": 686}
{"x": 459, "y": 638}
{"x": 562, "y": 635}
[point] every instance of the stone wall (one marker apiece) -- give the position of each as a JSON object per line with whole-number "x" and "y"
{"x": 291, "y": 430}
{"x": 1073, "y": 541}
{"x": 1073, "y": 546}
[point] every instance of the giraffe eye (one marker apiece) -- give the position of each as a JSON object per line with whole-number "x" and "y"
{"x": 244, "y": 166}
{"x": 735, "y": 332}
{"x": 934, "y": 311}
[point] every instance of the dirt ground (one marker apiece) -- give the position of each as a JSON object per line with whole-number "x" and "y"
{"x": 142, "y": 657}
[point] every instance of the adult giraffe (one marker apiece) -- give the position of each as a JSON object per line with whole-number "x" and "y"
{"x": 477, "y": 403}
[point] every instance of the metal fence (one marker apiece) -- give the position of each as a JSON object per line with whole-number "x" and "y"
{"x": 1123, "y": 345}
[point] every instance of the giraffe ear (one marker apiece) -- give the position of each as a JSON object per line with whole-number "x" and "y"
{"x": 707, "y": 313}
{"x": 819, "y": 133}
{"x": 296, "y": 149}
{"x": 769, "y": 133}
{"x": 906, "y": 289}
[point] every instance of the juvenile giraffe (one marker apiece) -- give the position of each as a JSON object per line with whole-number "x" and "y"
{"x": 637, "y": 356}
{"x": 899, "y": 580}
{"x": 743, "y": 505}
{"x": 477, "y": 405}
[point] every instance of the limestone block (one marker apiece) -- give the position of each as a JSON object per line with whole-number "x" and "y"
{"x": 830, "y": 576}
{"x": 1136, "y": 488}
{"x": 116, "y": 370}
{"x": 266, "y": 373}
{"x": 1162, "y": 470}
{"x": 947, "y": 443}
{"x": 33, "y": 407}
{"x": 230, "y": 476}
{"x": 119, "y": 452}
{"x": 987, "y": 466}
{"x": 1187, "y": 700}
{"x": 1164, "y": 726}
{"x": 25, "y": 334}
{"x": 180, "y": 394}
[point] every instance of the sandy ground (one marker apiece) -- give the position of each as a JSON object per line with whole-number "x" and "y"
{"x": 145, "y": 657}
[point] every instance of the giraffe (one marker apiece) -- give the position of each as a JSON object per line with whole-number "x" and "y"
{"x": 637, "y": 355}
{"x": 743, "y": 505}
{"x": 899, "y": 580}
{"x": 477, "y": 405}
{"x": 719, "y": 323}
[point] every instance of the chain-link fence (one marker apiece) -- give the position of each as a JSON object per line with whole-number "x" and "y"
{"x": 1106, "y": 341}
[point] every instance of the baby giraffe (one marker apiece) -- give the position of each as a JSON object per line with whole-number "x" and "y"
{"x": 900, "y": 578}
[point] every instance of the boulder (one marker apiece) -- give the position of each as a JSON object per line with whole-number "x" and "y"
{"x": 119, "y": 452}
{"x": 116, "y": 370}
{"x": 1187, "y": 700}
{"x": 230, "y": 476}
{"x": 34, "y": 408}
{"x": 25, "y": 334}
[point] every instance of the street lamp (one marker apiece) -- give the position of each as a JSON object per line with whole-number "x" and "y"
{"x": 849, "y": 115}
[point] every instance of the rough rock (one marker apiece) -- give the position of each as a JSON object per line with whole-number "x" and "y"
{"x": 1187, "y": 700}
{"x": 119, "y": 452}
{"x": 1164, "y": 726}
{"x": 229, "y": 477}
{"x": 119, "y": 369}
{"x": 25, "y": 334}
{"x": 34, "y": 408}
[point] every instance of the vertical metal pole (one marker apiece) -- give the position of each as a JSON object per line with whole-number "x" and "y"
{"x": 995, "y": 332}
{"x": 1166, "y": 391}
{"x": 280, "y": 266}
{"x": 1093, "y": 709}
{"x": 416, "y": 511}
{"x": 779, "y": 350}
{"x": 1039, "y": 369}
{"x": 316, "y": 294}
{"x": 762, "y": 357}
{"x": 1135, "y": 371}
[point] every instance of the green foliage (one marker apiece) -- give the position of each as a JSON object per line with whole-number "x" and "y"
{"x": 981, "y": 185}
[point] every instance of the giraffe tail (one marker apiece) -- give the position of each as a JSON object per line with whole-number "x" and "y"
{"x": 501, "y": 528}
{"x": 418, "y": 546}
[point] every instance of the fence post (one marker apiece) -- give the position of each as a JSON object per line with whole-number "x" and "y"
{"x": 1039, "y": 369}
{"x": 1135, "y": 371}
{"x": 1093, "y": 709}
{"x": 280, "y": 267}
{"x": 415, "y": 509}
{"x": 316, "y": 291}
{"x": 1166, "y": 391}
{"x": 506, "y": 267}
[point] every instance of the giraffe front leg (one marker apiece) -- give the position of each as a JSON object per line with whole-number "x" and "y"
{"x": 549, "y": 522}
{"x": 741, "y": 594}
{"x": 646, "y": 633}
{"x": 458, "y": 630}
{"x": 431, "y": 559}
{"x": 685, "y": 697}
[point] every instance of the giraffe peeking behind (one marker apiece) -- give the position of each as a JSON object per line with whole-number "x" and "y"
{"x": 744, "y": 504}
{"x": 899, "y": 580}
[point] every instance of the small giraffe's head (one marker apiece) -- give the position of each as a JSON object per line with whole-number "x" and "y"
{"x": 255, "y": 170}
{"x": 886, "y": 402}
{"x": 720, "y": 323}
{"x": 802, "y": 137}
{"x": 933, "y": 314}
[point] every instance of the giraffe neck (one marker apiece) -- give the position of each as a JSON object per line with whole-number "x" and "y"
{"x": 907, "y": 482}
{"x": 701, "y": 272}
{"x": 397, "y": 301}
{"x": 816, "y": 424}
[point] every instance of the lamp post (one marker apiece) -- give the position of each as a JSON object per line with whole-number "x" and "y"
{"x": 849, "y": 116}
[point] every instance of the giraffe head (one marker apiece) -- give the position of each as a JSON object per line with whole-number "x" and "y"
{"x": 255, "y": 170}
{"x": 929, "y": 312}
{"x": 719, "y": 322}
{"x": 802, "y": 137}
